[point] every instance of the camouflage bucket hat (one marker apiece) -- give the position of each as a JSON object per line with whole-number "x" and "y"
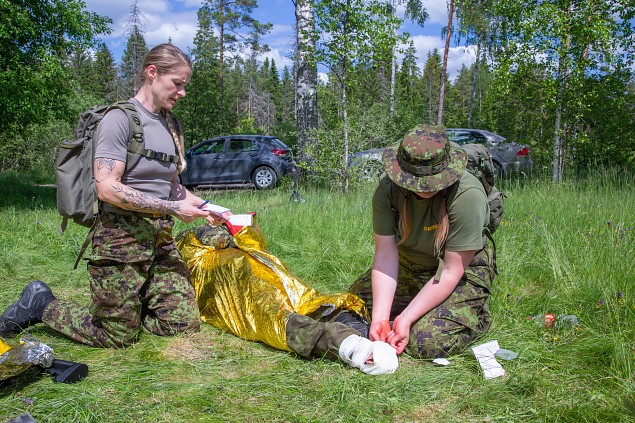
{"x": 424, "y": 160}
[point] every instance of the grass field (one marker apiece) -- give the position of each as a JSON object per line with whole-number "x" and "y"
{"x": 567, "y": 249}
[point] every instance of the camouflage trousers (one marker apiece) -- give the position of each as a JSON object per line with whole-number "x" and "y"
{"x": 452, "y": 325}
{"x": 309, "y": 337}
{"x": 137, "y": 279}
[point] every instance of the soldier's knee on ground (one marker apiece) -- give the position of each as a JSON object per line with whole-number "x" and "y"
{"x": 428, "y": 350}
{"x": 119, "y": 340}
{"x": 175, "y": 328}
{"x": 437, "y": 344}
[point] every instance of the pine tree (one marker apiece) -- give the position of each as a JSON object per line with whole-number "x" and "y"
{"x": 430, "y": 86}
{"x": 199, "y": 109}
{"x": 132, "y": 60}
{"x": 105, "y": 74}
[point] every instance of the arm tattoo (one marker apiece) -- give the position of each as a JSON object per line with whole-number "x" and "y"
{"x": 138, "y": 201}
{"x": 104, "y": 169}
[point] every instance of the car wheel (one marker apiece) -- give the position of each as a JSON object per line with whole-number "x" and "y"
{"x": 371, "y": 171}
{"x": 264, "y": 177}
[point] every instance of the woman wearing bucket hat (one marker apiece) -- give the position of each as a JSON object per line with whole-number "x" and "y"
{"x": 434, "y": 263}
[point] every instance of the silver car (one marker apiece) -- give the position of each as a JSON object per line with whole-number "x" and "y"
{"x": 509, "y": 157}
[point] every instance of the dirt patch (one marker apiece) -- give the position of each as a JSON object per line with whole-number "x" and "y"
{"x": 194, "y": 347}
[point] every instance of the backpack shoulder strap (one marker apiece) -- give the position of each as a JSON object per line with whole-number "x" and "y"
{"x": 136, "y": 144}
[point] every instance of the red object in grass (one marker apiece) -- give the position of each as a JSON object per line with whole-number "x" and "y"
{"x": 549, "y": 319}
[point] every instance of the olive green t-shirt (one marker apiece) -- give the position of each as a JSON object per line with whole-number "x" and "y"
{"x": 468, "y": 214}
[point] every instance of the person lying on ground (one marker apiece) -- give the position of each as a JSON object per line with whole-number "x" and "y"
{"x": 245, "y": 290}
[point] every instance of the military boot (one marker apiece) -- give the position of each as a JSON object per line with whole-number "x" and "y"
{"x": 27, "y": 310}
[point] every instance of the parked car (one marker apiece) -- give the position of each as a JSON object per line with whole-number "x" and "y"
{"x": 508, "y": 157}
{"x": 235, "y": 159}
{"x": 367, "y": 164}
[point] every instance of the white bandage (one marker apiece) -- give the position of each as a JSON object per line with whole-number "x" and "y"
{"x": 355, "y": 351}
{"x": 384, "y": 360}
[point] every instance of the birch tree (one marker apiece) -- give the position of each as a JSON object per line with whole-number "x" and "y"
{"x": 444, "y": 67}
{"x": 305, "y": 78}
{"x": 352, "y": 32}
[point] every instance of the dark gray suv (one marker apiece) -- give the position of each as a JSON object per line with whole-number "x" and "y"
{"x": 237, "y": 159}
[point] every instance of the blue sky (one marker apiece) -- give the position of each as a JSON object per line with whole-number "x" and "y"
{"x": 176, "y": 20}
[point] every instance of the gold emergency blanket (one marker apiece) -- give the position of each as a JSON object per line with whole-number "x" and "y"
{"x": 249, "y": 292}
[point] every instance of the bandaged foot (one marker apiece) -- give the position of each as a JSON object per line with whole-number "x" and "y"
{"x": 373, "y": 358}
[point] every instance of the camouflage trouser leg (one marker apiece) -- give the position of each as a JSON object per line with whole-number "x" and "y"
{"x": 138, "y": 278}
{"x": 309, "y": 337}
{"x": 452, "y": 325}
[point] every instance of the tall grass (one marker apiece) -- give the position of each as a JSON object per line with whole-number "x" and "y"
{"x": 566, "y": 249}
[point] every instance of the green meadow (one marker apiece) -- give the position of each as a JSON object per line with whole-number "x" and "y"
{"x": 566, "y": 249}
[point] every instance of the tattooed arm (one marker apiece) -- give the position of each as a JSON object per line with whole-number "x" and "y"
{"x": 110, "y": 189}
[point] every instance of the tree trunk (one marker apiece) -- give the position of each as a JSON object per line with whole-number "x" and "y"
{"x": 444, "y": 68}
{"x": 563, "y": 75}
{"x": 392, "y": 68}
{"x": 345, "y": 115}
{"x": 305, "y": 77}
{"x": 557, "y": 144}
{"x": 221, "y": 39}
{"x": 474, "y": 76}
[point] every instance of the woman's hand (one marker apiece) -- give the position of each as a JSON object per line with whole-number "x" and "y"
{"x": 379, "y": 330}
{"x": 400, "y": 335}
{"x": 216, "y": 219}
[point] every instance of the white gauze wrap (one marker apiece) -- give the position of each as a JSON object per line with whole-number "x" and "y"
{"x": 356, "y": 350}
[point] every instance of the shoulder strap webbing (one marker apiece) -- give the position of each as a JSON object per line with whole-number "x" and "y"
{"x": 136, "y": 148}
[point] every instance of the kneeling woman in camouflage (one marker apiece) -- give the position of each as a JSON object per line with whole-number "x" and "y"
{"x": 243, "y": 289}
{"x": 428, "y": 288}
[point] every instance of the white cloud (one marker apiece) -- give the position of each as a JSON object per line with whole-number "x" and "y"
{"x": 282, "y": 60}
{"x": 177, "y": 20}
{"x": 437, "y": 11}
{"x": 323, "y": 77}
{"x": 426, "y": 43}
{"x": 181, "y": 35}
{"x": 459, "y": 56}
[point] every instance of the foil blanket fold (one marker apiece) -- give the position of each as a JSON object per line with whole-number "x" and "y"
{"x": 249, "y": 292}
